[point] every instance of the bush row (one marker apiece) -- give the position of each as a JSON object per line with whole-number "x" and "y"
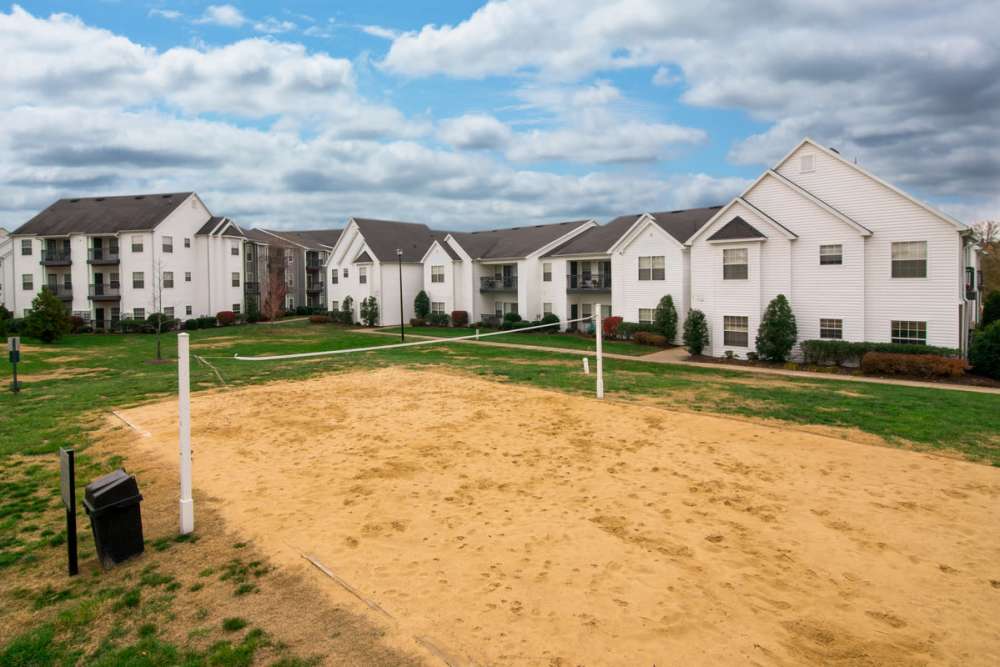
{"x": 914, "y": 365}
{"x": 842, "y": 352}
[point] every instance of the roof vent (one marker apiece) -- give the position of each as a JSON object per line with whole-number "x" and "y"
{"x": 834, "y": 150}
{"x": 139, "y": 197}
{"x": 166, "y": 196}
{"x": 99, "y": 199}
{"x": 73, "y": 201}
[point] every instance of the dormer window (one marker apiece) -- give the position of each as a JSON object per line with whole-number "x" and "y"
{"x": 807, "y": 163}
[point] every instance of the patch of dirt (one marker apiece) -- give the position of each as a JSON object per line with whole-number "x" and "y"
{"x": 61, "y": 374}
{"x": 520, "y": 526}
{"x": 545, "y": 362}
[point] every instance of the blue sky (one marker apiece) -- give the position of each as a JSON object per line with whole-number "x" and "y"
{"x": 473, "y": 115}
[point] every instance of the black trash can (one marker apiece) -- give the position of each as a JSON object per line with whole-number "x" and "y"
{"x": 112, "y": 502}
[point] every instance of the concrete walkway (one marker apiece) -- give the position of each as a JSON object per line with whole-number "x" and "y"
{"x": 678, "y": 356}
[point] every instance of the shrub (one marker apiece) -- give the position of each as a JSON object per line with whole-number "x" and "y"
{"x": 422, "y": 305}
{"x": 15, "y": 325}
{"x": 191, "y": 325}
{"x": 319, "y": 319}
{"x": 665, "y": 318}
{"x": 130, "y": 325}
{"x": 76, "y": 324}
{"x": 511, "y": 317}
{"x": 459, "y": 318}
{"x": 207, "y": 322}
{"x": 991, "y": 309}
{"x": 609, "y": 326}
{"x": 649, "y": 338}
{"x": 6, "y": 317}
{"x": 628, "y": 330}
{"x": 438, "y": 319}
{"x": 418, "y": 322}
{"x": 777, "y": 331}
{"x": 984, "y": 353}
{"x": 48, "y": 320}
{"x": 225, "y": 318}
{"x": 253, "y": 317}
{"x": 549, "y": 318}
{"x": 165, "y": 323}
{"x": 917, "y": 365}
{"x": 695, "y": 332}
{"x": 347, "y": 310}
{"x": 303, "y": 310}
{"x": 842, "y": 352}
{"x": 369, "y": 311}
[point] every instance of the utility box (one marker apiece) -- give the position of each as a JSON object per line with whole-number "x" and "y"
{"x": 112, "y": 502}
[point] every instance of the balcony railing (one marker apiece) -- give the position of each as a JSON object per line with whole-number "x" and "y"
{"x": 314, "y": 287}
{"x": 314, "y": 264}
{"x": 251, "y": 287}
{"x": 588, "y": 283}
{"x": 56, "y": 257}
{"x": 105, "y": 291}
{"x": 493, "y": 284}
{"x": 64, "y": 292}
{"x": 103, "y": 256}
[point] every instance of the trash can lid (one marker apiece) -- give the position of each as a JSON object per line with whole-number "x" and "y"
{"x": 110, "y": 489}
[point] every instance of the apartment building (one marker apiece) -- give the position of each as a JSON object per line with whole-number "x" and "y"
{"x": 219, "y": 252}
{"x": 6, "y": 264}
{"x": 114, "y": 257}
{"x": 310, "y": 250}
{"x": 858, "y": 259}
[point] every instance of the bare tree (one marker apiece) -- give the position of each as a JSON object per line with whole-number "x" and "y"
{"x": 987, "y": 235}
{"x": 158, "y": 304}
{"x": 275, "y": 290}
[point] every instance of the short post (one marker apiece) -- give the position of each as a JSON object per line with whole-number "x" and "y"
{"x": 586, "y": 365}
{"x": 477, "y": 334}
{"x": 67, "y": 488}
{"x": 599, "y": 331}
{"x": 14, "y": 350}
{"x": 184, "y": 430}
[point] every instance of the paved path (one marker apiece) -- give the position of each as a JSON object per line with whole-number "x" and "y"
{"x": 678, "y": 356}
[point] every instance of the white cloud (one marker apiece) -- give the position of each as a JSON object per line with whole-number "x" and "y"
{"x": 474, "y": 131}
{"x": 380, "y": 31}
{"x": 169, "y": 14}
{"x": 273, "y": 26}
{"x": 665, "y": 77}
{"x": 223, "y": 15}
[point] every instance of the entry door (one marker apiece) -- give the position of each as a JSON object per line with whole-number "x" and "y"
{"x": 99, "y": 317}
{"x": 508, "y": 274}
{"x": 574, "y": 312}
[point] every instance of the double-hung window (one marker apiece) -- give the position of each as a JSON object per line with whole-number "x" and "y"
{"x": 236, "y": 278}
{"x": 138, "y": 280}
{"x": 646, "y": 315}
{"x": 437, "y": 306}
{"x": 187, "y": 276}
{"x": 27, "y": 281}
{"x": 735, "y": 331}
{"x": 831, "y": 328}
{"x": 334, "y": 306}
{"x": 168, "y": 244}
{"x": 139, "y": 314}
{"x": 546, "y": 308}
{"x": 437, "y": 274}
{"x": 652, "y": 268}
{"x": 735, "y": 263}
{"x": 168, "y": 279}
{"x": 333, "y": 280}
{"x": 169, "y": 311}
{"x": 136, "y": 244}
{"x": 909, "y": 332}
{"x": 909, "y": 259}
{"x": 234, "y": 248}
{"x": 25, "y": 246}
{"x": 831, "y": 254}
{"x": 547, "y": 272}
{"x": 363, "y": 274}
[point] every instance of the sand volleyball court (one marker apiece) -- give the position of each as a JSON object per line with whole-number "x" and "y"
{"x": 510, "y": 525}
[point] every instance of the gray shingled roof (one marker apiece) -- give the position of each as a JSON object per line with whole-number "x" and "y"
{"x": 258, "y": 236}
{"x": 363, "y": 258}
{"x": 439, "y": 237}
{"x": 596, "y": 240}
{"x": 209, "y": 226}
{"x": 313, "y": 239}
{"x": 514, "y": 241}
{"x": 737, "y": 228}
{"x": 684, "y": 223}
{"x": 383, "y": 237}
{"x": 103, "y": 215}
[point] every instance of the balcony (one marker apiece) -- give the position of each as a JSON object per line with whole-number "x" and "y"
{"x": 313, "y": 264}
{"x": 56, "y": 257}
{"x": 494, "y": 284}
{"x": 102, "y": 292}
{"x": 596, "y": 282}
{"x": 314, "y": 288}
{"x": 251, "y": 287}
{"x": 64, "y": 292}
{"x": 103, "y": 256}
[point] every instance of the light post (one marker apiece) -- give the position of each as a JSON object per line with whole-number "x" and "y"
{"x": 399, "y": 261}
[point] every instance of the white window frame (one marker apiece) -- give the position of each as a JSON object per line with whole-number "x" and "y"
{"x": 910, "y": 252}
{"x": 437, "y": 273}
{"x": 167, "y": 244}
{"x": 168, "y": 279}
{"x": 26, "y": 245}
{"x": 27, "y": 281}
{"x": 236, "y": 308}
{"x": 138, "y": 313}
{"x": 735, "y": 325}
{"x": 831, "y": 328}
{"x": 547, "y": 308}
{"x": 736, "y": 257}
{"x": 653, "y": 267}
{"x": 234, "y": 248}
{"x": 647, "y": 315}
{"x": 334, "y": 306}
{"x": 437, "y": 307}
{"x": 333, "y": 279}
{"x": 169, "y": 312}
{"x": 362, "y": 275}
{"x": 908, "y": 332}
{"x": 828, "y": 252}
{"x": 187, "y": 276}
{"x": 235, "y": 276}
{"x": 140, "y": 278}
{"x": 137, "y": 244}
{"x": 546, "y": 272}
{"x": 187, "y": 310}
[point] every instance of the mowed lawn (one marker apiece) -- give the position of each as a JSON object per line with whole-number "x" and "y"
{"x": 71, "y": 385}
{"x": 537, "y": 338}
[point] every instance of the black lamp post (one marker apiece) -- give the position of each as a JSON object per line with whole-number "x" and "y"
{"x": 399, "y": 261}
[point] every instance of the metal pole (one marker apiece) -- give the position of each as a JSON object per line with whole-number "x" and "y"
{"x": 184, "y": 431}
{"x": 600, "y": 353}
{"x": 399, "y": 258}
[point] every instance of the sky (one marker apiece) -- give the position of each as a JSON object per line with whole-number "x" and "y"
{"x": 464, "y": 115}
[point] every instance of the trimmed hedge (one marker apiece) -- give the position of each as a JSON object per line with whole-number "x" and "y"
{"x": 628, "y": 330}
{"x": 320, "y": 319}
{"x": 438, "y": 319}
{"x": 511, "y": 317}
{"x": 460, "y": 318}
{"x": 225, "y": 318}
{"x": 915, "y": 365}
{"x": 842, "y": 352}
{"x": 418, "y": 322}
{"x": 648, "y": 338}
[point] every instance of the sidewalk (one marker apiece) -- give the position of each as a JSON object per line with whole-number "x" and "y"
{"x": 678, "y": 357}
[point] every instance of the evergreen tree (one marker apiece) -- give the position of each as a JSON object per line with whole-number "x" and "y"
{"x": 48, "y": 319}
{"x": 347, "y": 310}
{"x": 777, "y": 332}
{"x": 984, "y": 354}
{"x": 369, "y": 311}
{"x": 422, "y": 305}
{"x": 665, "y": 318}
{"x": 991, "y": 309}
{"x": 695, "y": 332}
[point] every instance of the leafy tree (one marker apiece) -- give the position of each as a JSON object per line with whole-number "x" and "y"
{"x": 665, "y": 318}
{"x": 422, "y": 305}
{"x": 369, "y": 311}
{"x": 991, "y": 309}
{"x": 347, "y": 310}
{"x": 984, "y": 353}
{"x": 5, "y": 317}
{"x": 777, "y": 332}
{"x": 695, "y": 332}
{"x": 48, "y": 319}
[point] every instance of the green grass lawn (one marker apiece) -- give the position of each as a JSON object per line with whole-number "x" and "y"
{"x": 568, "y": 341}
{"x": 116, "y": 371}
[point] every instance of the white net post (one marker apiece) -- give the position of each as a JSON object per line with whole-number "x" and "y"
{"x": 599, "y": 332}
{"x": 586, "y": 365}
{"x": 184, "y": 431}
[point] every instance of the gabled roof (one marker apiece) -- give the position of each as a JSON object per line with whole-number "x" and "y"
{"x": 596, "y": 240}
{"x": 736, "y": 229}
{"x": 682, "y": 224}
{"x": 440, "y": 238}
{"x": 363, "y": 258}
{"x": 384, "y": 237}
{"x": 312, "y": 239}
{"x": 258, "y": 236}
{"x": 104, "y": 215}
{"x": 220, "y": 226}
{"x": 514, "y": 242}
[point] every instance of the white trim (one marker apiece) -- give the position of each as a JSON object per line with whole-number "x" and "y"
{"x": 780, "y": 228}
{"x": 725, "y": 241}
{"x": 795, "y": 187}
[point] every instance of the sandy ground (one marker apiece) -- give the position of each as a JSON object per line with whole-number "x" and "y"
{"x": 517, "y": 526}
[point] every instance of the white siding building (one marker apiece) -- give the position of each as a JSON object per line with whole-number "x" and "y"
{"x": 6, "y": 266}
{"x": 857, "y": 258}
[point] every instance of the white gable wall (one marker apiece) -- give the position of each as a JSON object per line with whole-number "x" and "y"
{"x": 446, "y": 292}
